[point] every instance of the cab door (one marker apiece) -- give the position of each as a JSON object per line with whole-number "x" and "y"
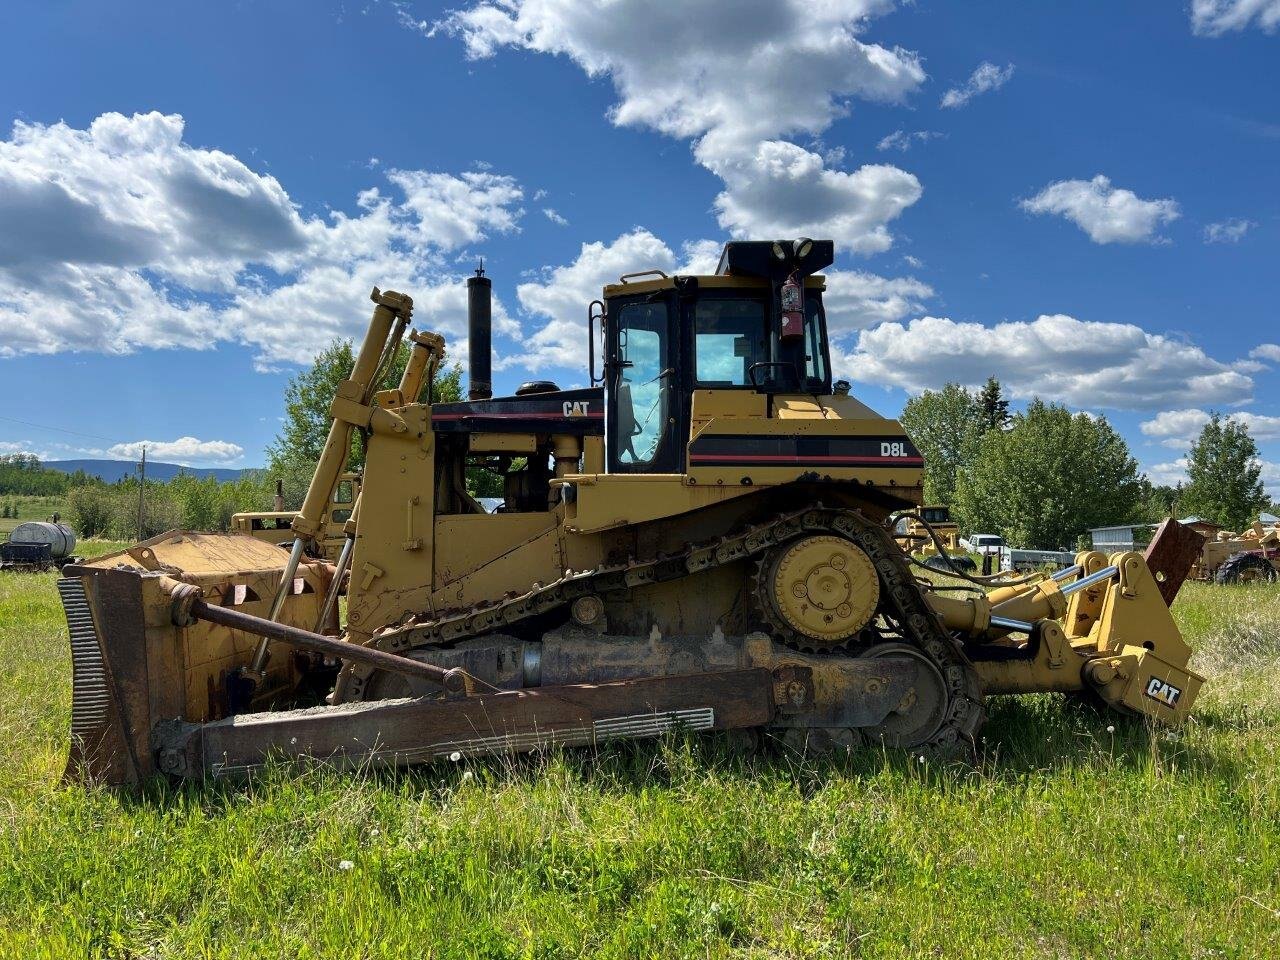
{"x": 644, "y": 400}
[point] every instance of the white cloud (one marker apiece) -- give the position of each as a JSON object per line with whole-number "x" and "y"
{"x": 902, "y": 140}
{"x": 856, "y": 300}
{"x": 736, "y": 78}
{"x": 561, "y": 295}
{"x": 700, "y": 257}
{"x": 1212, "y": 18}
{"x": 446, "y": 212}
{"x": 1271, "y": 478}
{"x": 984, "y": 79}
{"x": 1266, "y": 351}
{"x": 1084, "y": 364}
{"x": 1107, "y": 214}
{"x": 122, "y": 236}
{"x": 555, "y": 217}
{"x": 127, "y": 192}
{"x": 184, "y": 450}
{"x": 1169, "y": 474}
{"x": 1228, "y": 231}
{"x": 1177, "y": 429}
{"x": 26, "y": 448}
{"x": 787, "y": 191}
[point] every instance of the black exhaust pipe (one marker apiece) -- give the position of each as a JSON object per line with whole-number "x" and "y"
{"x": 480, "y": 335}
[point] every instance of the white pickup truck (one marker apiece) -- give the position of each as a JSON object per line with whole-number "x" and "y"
{"x": 1005, "y": 557}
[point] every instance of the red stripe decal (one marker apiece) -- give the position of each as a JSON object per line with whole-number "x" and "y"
{"x": 515, "y": 416}
{"x": 786, "y": 459}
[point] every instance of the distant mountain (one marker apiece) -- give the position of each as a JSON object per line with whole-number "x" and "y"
{"x": 113, "y": 470}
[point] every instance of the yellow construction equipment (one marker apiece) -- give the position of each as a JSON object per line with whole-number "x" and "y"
{"x": 1249, "y": 557}
{"x": 276, "y": 526}
{"x": 700, "y": 539}
{"x": 931, "y": 534}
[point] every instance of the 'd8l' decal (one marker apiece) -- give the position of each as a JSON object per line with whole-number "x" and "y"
{"x": 895, "y": 449}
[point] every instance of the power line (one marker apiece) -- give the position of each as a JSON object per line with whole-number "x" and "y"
{"x": 74, "y": 433}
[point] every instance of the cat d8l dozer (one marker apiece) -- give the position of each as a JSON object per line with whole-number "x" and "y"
{"x": 700, "y": 539}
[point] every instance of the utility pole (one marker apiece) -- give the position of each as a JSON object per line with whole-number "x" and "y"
{"x": 142, "y": 486}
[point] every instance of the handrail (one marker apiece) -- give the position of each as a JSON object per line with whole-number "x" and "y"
{"x": 642, "y": 273}
{"x": 591, "y": 339}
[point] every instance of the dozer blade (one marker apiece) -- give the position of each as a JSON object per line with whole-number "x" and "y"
{"x": 131, "y": 667}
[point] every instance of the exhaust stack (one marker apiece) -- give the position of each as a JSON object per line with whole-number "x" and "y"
{"x": 480, "y": 335}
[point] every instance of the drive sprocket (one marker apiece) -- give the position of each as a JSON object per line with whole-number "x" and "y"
{"x": 816, "y": 592}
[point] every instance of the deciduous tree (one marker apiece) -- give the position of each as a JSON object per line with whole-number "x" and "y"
{"x": 1224, "y": 475}
{"x": 946, "y": 426}
{"x": 293, "y": 455}
{"x": 1048, "y": 478}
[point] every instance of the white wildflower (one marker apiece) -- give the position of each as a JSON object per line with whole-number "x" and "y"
{"x": 455, "y": 756}
{"x": 345, "y": 865}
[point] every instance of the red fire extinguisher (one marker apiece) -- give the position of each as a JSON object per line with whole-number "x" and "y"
{"x": 792, "y": 310}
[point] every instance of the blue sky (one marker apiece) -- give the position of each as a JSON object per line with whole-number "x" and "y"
{"x": 1082, "y": 199}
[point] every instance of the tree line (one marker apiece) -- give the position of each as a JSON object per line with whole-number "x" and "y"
{"x": 1040, "y": 477}
{"x": 1043, "y": 476}
{"x": 23, "y": 475}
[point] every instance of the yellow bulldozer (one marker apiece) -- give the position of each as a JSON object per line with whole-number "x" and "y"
{"x": 701, "y": 539}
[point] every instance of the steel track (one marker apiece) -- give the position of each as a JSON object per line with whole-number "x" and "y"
{"x": 902, "y": 603}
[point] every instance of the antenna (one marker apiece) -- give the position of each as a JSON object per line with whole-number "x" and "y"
{"x": 480, "y": 269}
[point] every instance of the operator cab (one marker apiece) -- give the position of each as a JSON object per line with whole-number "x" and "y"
{"x": 757, "y": 325}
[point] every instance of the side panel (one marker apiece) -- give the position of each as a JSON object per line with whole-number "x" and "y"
{"x": 391, "y": 568}
{"x": 613, "y": 500}
{"x": 744, "y": 452}
{"x": 483, "y": 556}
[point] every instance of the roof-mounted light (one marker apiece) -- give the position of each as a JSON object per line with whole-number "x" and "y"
{"x": 802, "y": 247}
{"x": 779, "y": 251}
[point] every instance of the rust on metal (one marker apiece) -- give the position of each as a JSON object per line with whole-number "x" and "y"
{"x": 1172, "y": 553}
{"x": 400, "y": 732}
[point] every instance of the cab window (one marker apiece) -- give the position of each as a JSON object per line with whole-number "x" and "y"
{"x": 729, "y": 338}
{"x": 815, "y": 349}
{"x": 641, "y": 399}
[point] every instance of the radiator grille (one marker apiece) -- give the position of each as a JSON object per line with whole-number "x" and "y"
{"x": 90, "y": 700}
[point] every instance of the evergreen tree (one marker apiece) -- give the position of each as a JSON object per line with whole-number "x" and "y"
{"x": 1224, "y": 475}
{"x": 992, "y": 405}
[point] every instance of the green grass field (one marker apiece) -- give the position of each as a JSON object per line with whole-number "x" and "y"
{"x": 29, "y": 508}
{"x": 1077, "y": 835}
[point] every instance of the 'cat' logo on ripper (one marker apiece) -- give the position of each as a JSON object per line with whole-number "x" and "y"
{"x": 575, "y": 408}
{"x": 1163, "y": 692}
